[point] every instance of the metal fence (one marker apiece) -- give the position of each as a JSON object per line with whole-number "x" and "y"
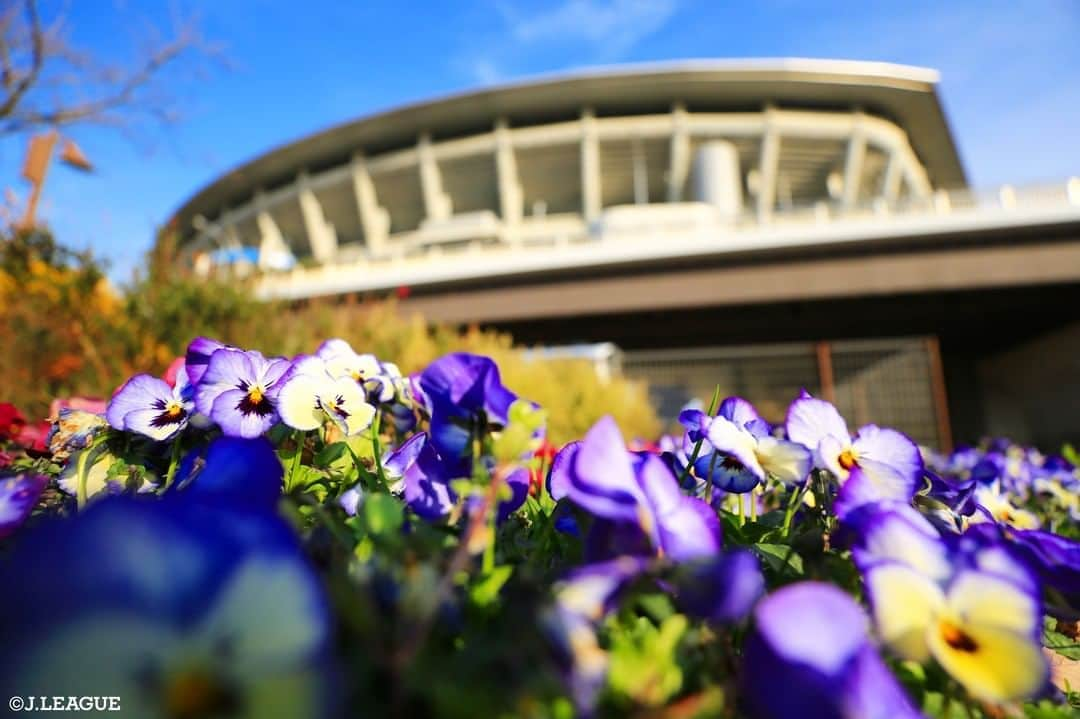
{"x": 891, "y": 382}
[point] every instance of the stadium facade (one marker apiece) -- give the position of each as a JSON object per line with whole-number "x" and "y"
{"x": 770, "y": 225}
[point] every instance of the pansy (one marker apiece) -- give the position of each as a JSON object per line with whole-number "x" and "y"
{"x": 147, "y": 405}
{"x": 240, "y": 472}
{"x": 876, "y": 464}
{"x": 420, "y": 477}
{"x": 602, "y": 476}
{"x": 810, "y": 656}
{"x": 582, "y": 600}
{"x": 996, "y": 506}
{"x": 381, "y": 381}
{"x": 18, "y": 495}
{"x": 740, "y": 450}
{"x": 467, "y": 400}
{"x": 980, "y": 626}
{"x": 310, "y": 395}
{"x": 197, "y": 357}
{"x": 722, "y": 588}
{"x": 239, "y": 391}
{"x": 180, "y": 609}
{"x": 11, "y": 420}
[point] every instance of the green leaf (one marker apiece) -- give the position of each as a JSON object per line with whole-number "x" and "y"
{"x": 1060, "y": 643}
{"x": 774, "y": 556}
{"x": 330, "y": 454}
{"x": 485, "y": 591}
{"x": 383, "y": 515}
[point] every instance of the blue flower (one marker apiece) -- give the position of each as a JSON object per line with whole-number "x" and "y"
{"x": 239, "y": 391}
{"x": 422, "y": 478}
{"x": 147, "y": 405}
{"x": 722, "y": 588}
{"x": 18, "y": 495}
{"x": 467, "y": 400}
{"x": 740, "y": 450}
{"x": 181, "y": 609}
{"x": 602, "y": 476}
{"x": 810, "y": 656}
{"x": 876, "y": 464}
{"x": 240, "y": 472}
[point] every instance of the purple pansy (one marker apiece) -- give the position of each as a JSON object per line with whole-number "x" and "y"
{"x": 421, "y": 477}
{"x": 198, "y": 355}
{"x": 241, "y": 472}
{"x": 239, "y": 391}
{"x": 466, "y": 399}
{"x": 18, "y": 495}
{"x": 603, "y": 477}
{"x": 723, "y": 588}
{"x": 740, "y": 450}
{"x": 876, "y": 464}
{"x": 147, "y": 405}
{"x": 810, "y": 656}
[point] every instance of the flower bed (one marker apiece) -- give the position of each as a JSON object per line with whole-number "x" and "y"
{"x": 322, "y": 536}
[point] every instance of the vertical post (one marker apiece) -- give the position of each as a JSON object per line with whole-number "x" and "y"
{"x": 436, "y": 203}
{"x": 853, "y": 164}
{"x": 679, "y": 169}
{"x": 374, "y": 220}
{"x": 36, "y": 167}
{"x": 590, "y": 167}
{"x": 825, "y": 371}
{"x": 937, "y": 388}
{"x": 511, "y": 196}
{"x": 890, "y": 188}
{"x": 769, "y": 167}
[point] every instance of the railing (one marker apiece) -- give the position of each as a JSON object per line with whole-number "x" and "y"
{"x": 647, "y": 232}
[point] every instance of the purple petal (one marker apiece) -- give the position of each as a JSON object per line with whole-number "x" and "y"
{"x": 18, "y": 495}
{"x": 690, "y": 531}
{"x": 722, "y": 588}
{"x": 198, "y": 356}
{"x": 140, "y": 392}
{"x": 602, "y": 478}
{"x": 738, "y": 411}
{"x": 235, "y": 422}
{"x": 558, "y": 479}
{"x": 891, "y": 448}
{"x": 810, "y": 420}
{"x": 814, "y": 624}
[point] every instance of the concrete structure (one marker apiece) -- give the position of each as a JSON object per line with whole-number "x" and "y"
{"x": 688, "y": 205}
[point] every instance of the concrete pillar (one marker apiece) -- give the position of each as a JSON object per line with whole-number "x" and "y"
{"x": 717, "y": 179}
{"x": 437, "y": 204}
{"x": 768, "y": 169}
{"x": 374, "y": 220}
{"x": 511, "y": 196}
{"x": 679, "y": 169}
{"x": 853, "y": 164}
{"x": 590, "y": 167}
{"x": 321, "y": 234}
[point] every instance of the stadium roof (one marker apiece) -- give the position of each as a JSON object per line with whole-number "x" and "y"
{"x": 904, "y": 94}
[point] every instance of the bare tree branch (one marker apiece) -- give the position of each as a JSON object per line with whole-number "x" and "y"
{"x": 47, "y": 82}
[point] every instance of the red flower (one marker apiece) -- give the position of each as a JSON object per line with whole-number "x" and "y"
{"x": 11, "y": 421}
{"x": 545, "y": 453}
{"x": 173, "y": 369}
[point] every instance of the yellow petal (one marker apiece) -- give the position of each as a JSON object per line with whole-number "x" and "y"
{"x": 904, "y": 604}
{"x": 981, "y": 599}
{"x": 994, "y": 664}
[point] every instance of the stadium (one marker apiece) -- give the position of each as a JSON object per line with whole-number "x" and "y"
{"x": 770, "y": 225}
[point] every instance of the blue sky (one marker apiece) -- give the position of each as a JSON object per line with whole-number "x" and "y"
{"x": 1010, "y": 78}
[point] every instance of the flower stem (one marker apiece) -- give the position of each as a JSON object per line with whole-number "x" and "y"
{"x": 713, "y": 404}
{"x": 793, "y": 502}
{"x": 753, "y": 504}
{"x": 376, "y": 449}
{"x": 294, "y": 465}
{"x": 174, "y": 463}
{"x": 709, "y": 479}
{"x": 81, "y": 471}
{"x": 742, "y": 517}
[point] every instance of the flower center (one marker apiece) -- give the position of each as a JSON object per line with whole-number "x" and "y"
{"x": 847, "y": 460}
{"x": 956, "y": 637}
{"x": 171, "y": 413}
{"x": 197, "y": 693}
{"x": 255, "y": 400}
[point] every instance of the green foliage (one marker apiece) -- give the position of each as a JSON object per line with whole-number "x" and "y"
{"x": 71, "y": 334}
